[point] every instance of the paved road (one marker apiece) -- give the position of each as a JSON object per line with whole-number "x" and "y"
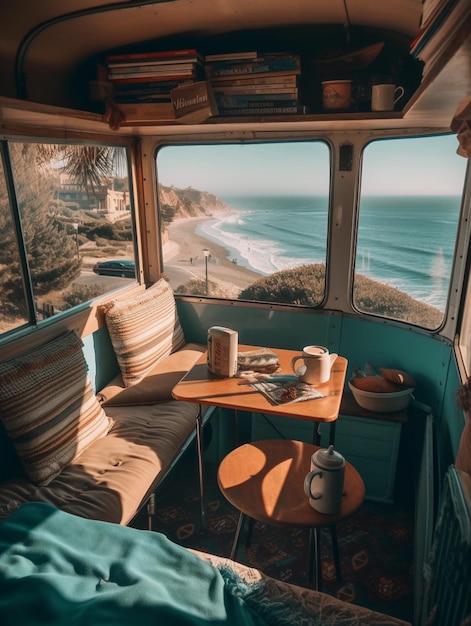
{"x": 177, "y": 275}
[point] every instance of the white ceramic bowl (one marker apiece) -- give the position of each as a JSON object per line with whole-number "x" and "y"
{"x": 381, "y": 402}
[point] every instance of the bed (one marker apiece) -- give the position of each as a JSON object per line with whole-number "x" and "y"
{"x": 57, "y": 568}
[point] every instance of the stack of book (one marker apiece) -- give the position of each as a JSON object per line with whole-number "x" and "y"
{"x": 142, "y": 82}
{"x": 440, "y": 22}
{"x": 252, "y": 84}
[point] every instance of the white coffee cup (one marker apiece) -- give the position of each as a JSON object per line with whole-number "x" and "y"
{"x": 317, "y": 364}
{"x": 385, "y": 96}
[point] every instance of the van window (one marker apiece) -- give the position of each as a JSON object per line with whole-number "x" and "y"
{"x": 246, "y": 221}
{"x": 407, "y": 228}
{"x": 66, "y": 232}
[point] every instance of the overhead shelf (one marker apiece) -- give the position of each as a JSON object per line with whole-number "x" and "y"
{"x": 432, "y": 105}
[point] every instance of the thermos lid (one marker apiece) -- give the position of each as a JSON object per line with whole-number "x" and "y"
{"x": 328, "y": 458}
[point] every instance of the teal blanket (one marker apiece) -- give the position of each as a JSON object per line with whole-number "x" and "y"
{"x": 57, "y": 569}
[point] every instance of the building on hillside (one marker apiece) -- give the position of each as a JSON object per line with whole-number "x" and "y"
{"x": 109, "y": 203}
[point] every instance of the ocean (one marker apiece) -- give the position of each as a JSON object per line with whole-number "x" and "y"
{"x": 404, "y": 241}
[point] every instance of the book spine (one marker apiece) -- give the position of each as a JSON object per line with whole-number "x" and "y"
{"x": 277, "y": 110}
{"x": 284, "y": 79}
{"x": 150, "y": 79}
{"x": 430, "y": 31}
{"x": 228, "y": 102}
{"x": 162, "y": 86}
{"x": 137, "y": 56}
{"x": 230, "y": 56}
{"x": 254, "y": 89}
{"x": 153, "y": 68}
{"x": 151, "y": 63}
{"x": 238, "y": 69}
{"x": 151, "y": 73}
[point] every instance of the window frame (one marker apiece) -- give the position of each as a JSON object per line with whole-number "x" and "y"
{"x": 130, "y": 147}
{"x": 448, "y": 324}
{"x": 279, "y": 140}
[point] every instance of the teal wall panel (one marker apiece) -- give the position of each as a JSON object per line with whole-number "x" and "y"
{"x": 359, "y": 340}
{"x": 261, "y": 326}
{"x": 449, "y": 423}
{"x": 100, "y": 357}
{"x": 425, "y": 358}
{"x": 429, "y": 359}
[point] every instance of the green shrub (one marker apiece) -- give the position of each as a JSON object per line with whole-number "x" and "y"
{"x": 305, "y": 286}
{"x": 78, "y": 294}
{"x": 197, "y": 287}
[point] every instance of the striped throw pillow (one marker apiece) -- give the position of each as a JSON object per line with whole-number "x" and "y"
{"x": 144, "y": 330}
{"x": 48, "y": 407}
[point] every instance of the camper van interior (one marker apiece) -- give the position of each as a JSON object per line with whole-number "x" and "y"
{"x": 235, "y": 312}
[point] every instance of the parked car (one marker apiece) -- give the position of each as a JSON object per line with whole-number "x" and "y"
{"x": 124, "y": 268}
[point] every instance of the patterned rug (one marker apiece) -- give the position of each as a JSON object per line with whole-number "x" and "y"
{"x": 375, "y": 544}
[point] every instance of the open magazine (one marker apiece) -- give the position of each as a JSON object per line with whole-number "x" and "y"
{"x": 285, "y": 389}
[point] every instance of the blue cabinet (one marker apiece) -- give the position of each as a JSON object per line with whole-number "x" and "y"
{"x": 370, "y": 442}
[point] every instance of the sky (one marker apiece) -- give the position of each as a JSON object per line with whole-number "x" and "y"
{"x": 402, "y": 167}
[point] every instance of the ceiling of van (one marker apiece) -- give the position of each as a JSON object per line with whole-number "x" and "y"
{"x": 45, "y": 53}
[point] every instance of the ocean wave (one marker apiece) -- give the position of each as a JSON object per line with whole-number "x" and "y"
{"x": 402, "y": 255}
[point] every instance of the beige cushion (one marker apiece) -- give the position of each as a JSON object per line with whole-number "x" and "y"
{"x": 158, "y": 383}
{"x": 113, "y": 476}
{"x": 144, "y": 330}
{"x": 48, "y": 407}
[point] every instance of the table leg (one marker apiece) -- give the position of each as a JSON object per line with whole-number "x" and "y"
{"x": 240, "y": 525}
{"x": 335, "y": 552}
{"x": 199, "y": 449}
{"x": 314, "y": 560}
{"x": 150, "y": 511}
{"x": 316, "y": 439}
{"x": 332, "y": 433}
{"x": 236, "y": 429}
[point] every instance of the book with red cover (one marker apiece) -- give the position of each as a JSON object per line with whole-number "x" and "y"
{"x": 152, "y": 79}
{"x": 139, "y": 56}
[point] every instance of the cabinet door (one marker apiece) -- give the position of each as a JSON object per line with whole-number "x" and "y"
{"x": 370, "y": 445}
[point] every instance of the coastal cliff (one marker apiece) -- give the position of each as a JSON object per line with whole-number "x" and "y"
{"x": 180, "y": 203}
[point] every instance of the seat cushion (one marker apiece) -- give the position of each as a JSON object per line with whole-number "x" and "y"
{"x": 143, "y": 330}
{"x": 48, "y": 407}
{"x": 111, "y": 479}
{"x": 157, "y": 385}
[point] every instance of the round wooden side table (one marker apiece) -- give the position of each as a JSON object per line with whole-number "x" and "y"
{"x": 264, "y": 480}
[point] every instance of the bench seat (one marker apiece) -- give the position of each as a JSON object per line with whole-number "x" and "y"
{"x": 112, "y": 478}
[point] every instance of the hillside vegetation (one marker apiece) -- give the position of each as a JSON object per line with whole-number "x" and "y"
{"x": 305, "y": 285}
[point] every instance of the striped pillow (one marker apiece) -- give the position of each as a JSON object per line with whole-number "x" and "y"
{"x": 48, "y": 407}
{"x": 144, "y": 330}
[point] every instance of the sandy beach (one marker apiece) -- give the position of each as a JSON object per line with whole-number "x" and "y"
{"x": 184, "y": 252}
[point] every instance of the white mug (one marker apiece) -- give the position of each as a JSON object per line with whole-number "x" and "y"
{"x": 317, "y": 365}
{"x": 384, "y": 97}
